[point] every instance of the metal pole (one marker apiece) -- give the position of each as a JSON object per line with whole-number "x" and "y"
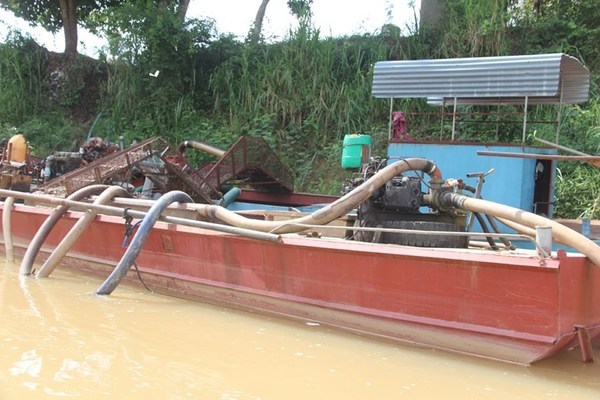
{"x": 498, "y": 122}
{"x": 558, "y": 117}
{"x": 118, "y": 211}
{"x": 442, "y": 122}
{"x": 390, "y": 121}
{"x": 454, "y": 120}
{"x": 591, "y": 159}
{"x": 525, "y": 120}
{"x": 567, "y": 149}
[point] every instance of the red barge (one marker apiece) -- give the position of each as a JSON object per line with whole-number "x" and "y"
{"x": 513, "y": 307}
{"x": 371, "y": 262}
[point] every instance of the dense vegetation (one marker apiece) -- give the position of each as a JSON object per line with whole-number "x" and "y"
{"x": 301, "y": 94}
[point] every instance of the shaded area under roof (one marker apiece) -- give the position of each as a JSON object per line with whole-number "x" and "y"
{"x": 542, "y": 79}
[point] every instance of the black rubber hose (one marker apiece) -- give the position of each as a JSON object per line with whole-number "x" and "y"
{"x": 560, "y": 233}
{"x": 494, "y": 226}
{"x": 486, "y": 230}
{"x": 139, "y": 239}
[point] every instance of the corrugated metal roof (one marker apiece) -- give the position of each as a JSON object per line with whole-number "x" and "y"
{"x": 543, "y": 79}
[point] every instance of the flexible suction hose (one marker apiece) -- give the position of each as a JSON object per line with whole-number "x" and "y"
{"x": 70, "y": 238}
{"x": 560, "y": 233}
{"x": 7, "y": 229}
{"x": 139, "y": 239}
{"x": 485, "y": 229}
{"x": 494, "y": 226}
{"x": 330, "y": 212}
{"x": 518, "y": 227}
{"x": 42, "y": 233}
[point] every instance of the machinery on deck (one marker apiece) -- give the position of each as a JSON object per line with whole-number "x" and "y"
{"x": 399, "y": 211}
{"x": 400, "y": 204}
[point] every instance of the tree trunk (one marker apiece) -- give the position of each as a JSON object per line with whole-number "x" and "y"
{"x": 68, "y": 13}
{"x": 182, "y": 9}
{"x": 256, "y": 30}
{"x": 431, "y": 13}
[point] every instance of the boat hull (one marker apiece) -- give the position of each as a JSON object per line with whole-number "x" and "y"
{"x": 506, "y": 307}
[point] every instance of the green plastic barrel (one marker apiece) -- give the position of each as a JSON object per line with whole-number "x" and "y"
{"x": 353, "y": 150}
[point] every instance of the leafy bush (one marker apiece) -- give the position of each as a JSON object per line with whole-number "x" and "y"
{"x": 21, "y": 78}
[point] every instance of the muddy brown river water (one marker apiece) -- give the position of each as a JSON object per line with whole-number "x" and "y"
{"x": 58, "y": 340}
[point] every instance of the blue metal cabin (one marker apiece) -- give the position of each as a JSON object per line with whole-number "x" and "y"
{"x": 525, "y": 183}
{"x": 513, "y": 181}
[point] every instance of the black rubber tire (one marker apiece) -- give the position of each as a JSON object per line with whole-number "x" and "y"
{"x": 420, "y": 240}
{"x": 366, "y": 219}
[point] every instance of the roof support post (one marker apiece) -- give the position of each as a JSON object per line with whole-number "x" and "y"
{"x": 525, "y": 120}
{"x": 442, "y": 119}
{"x": 390, "y": 121}
{"x": 454, "y": 120}
{"x": 498, "y": 122}
{"x": 558, "y": 117}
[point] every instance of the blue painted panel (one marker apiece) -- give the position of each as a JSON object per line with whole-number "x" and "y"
{"x": 512, "y": 183}
{"x": 243, "y": 206}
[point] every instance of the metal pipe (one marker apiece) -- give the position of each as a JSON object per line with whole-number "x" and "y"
{"x": 538, "y": 156}
{"x": 390, "y": 119}
{"x": 417, "y": 231}
{"x": 330, "y": 212}
{"x": 7, "y": 229}
{"x": 139, "y": 239}
{"x": 560, "y": 103}
{"x": 558, "y": 146}
{"x": 118, "y": 211}
{"x": 195, "y": 207}
{"x": 543, "y": 237}
{"x": 442, "y": 119}
{"x": 36, "y": 243}
{"x": 560, "y": 233}
{"x": 70, "y": 238}
{"x": 454, "y": 120}
{"x": 232, "y": 195}
{"x": 595, "y": 163}
{"x": 320, "y": 217}
{"x": 199, "y": 146}
{"x": 525, "y": 120}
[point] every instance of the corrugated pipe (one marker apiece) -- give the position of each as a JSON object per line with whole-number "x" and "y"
{"x": 330, "y": 212}
{"x": 560, "y": 233}
{"x": 118, "y": 211}
{"x": 111, "y": 283}
{"x": 7, "y": 229}
{"x": 40, "y": 236}
{"x": 70, "y": 238}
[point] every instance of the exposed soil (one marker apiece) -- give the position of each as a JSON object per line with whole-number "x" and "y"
{"x": 74, "y": 82}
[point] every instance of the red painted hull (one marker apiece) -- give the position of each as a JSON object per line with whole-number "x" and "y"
{"x": 507, "y": 307}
